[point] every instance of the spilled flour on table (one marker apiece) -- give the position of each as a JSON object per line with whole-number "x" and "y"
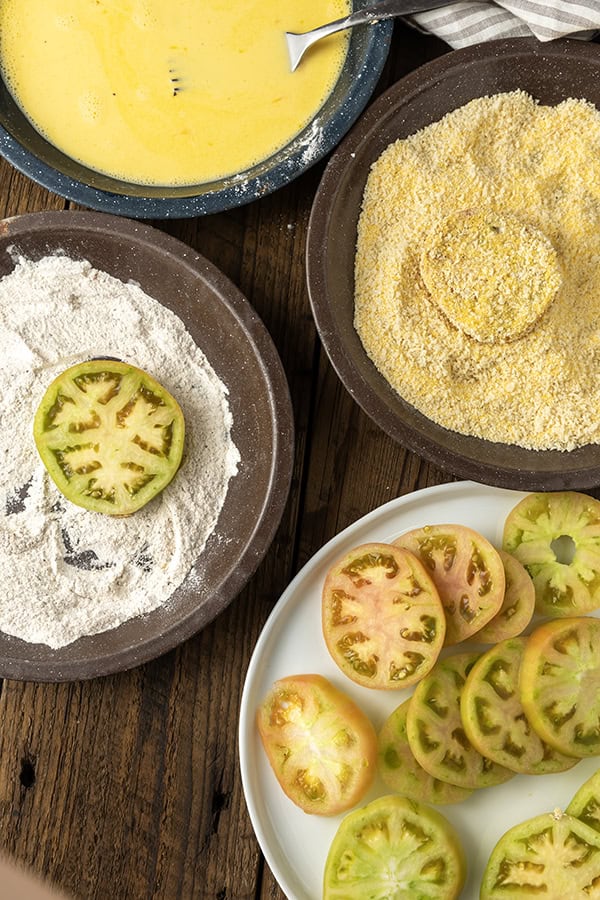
{"x": 68, "y": 572}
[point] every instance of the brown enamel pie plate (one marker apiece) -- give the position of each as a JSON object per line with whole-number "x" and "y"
{"x": 239, "y": 348}
{"x": 549, "y": 72}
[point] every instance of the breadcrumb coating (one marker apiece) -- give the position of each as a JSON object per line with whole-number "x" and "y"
{"x": 531, "y": 375}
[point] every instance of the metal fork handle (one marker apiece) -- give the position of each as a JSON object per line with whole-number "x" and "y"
{"x": 385, "y": 9}
{"x": 298, "y": 43}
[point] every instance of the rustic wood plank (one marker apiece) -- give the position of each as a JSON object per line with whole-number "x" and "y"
{"x": 21, "y": 195}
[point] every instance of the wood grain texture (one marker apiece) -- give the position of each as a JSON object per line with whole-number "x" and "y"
{"x": 128, "y": 787}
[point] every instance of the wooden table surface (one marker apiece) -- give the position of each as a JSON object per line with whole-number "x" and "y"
{"x": 129, "y": 786}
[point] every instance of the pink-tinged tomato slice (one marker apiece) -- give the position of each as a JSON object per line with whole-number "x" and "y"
{"x": 321, "y": 746}
{"x": 382, "y": 617}
{"x": 518, "y": 605}
{"x": 466, "y": 570}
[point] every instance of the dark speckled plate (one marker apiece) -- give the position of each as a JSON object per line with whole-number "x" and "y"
{"x": 549, "y": 72}
{"x": 237, "y": 345}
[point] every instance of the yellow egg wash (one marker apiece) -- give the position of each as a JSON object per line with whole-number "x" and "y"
{"x": 167, "y": 91}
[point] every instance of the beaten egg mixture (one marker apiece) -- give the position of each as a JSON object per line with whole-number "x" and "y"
{"x": 178, "y": 92}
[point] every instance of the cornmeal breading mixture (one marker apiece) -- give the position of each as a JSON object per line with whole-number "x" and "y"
{"x": 531, "y": 376}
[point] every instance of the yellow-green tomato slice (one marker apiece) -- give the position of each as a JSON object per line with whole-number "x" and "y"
{"x": 436, "y": 733}
{"x": 560, "y": 684}
{"x": 518, "y": 604}
{"x": 394, "y": 848}
{"x": 585, "y": 805}
{"x": 554, "y": 856}
{"x": 467, "y": 571}
{"x": 382, "y": 617}
{"x": 321, "y": 746}
{"x": 494, "y": 719}
{"x": 110, "y": 436}
{"x": 400, "y": 771}
{"x": 557, "y": 538}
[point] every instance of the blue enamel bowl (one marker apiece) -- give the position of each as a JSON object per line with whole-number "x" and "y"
{"x": 31, "y": 154}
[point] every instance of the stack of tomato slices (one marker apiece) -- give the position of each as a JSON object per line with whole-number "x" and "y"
{"x": 527, "y": 704}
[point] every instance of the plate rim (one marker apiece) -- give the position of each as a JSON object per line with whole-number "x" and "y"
{"x": 54, "y": 669}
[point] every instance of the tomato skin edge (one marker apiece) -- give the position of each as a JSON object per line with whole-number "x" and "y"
{"x": 96, "y": 365}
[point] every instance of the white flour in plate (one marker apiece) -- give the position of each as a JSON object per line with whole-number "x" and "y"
{"x": 67, "y": 572}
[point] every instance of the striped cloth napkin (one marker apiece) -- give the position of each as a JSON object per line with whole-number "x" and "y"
{"x": 469, "y": 22}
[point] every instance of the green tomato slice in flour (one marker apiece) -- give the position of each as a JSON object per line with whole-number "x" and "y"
{"x": 110, "y": 436}
{"x": 394, "y": 847}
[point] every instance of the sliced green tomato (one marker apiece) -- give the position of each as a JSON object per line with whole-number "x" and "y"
{"x": 557, "y": 538}
{"x": 585, "y": 805}
{"x": 436, "y": 733}
{"x": 467, "y": 572}
{"x": 560, "y": 684}
{"x": 321, "y": 746}
{"x": 494, "y": 719}
{"x": 400, "y": 771}
{"x": 554, "y": 856}
{"x": 382, "y": 617}
{"x": 110, "y": 436}
{"x": 518, "y": 605}
{"x": 394, "y": 848}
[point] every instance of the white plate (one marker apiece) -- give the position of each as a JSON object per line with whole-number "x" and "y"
{"x": 294, "y": 844}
